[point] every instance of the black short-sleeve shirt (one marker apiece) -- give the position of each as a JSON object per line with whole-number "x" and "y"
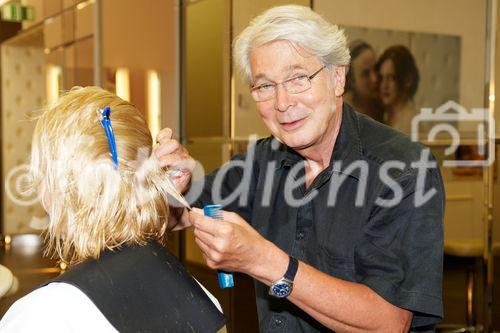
{"x": 373, "y": 217}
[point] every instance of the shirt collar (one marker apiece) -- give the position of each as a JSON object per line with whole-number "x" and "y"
{"x": 348, "y": 147}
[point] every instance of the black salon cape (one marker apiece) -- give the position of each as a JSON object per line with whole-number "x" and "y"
{"x": 145, "y": 289}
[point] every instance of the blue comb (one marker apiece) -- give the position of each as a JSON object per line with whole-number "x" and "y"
{"x": 225, "y": 279}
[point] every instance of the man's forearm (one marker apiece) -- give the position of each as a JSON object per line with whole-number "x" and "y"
{"x": 340, "y": 305}
{"x": 346, "y": 306}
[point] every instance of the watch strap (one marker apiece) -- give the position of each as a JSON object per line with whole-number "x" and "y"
{"x": 293, "y": 265}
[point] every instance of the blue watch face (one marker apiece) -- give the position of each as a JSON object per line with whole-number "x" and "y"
{"x": 282, "y": 289}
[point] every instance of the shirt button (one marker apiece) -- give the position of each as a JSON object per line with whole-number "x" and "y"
{"x": 300, "y": 235}
{"x": 278, "y": 323}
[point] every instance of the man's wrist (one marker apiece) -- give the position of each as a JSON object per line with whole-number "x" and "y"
{"x": 271, "y": 265}
{"x": 283, "y": 287}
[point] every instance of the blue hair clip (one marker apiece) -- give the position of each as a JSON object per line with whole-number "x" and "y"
{"x": 106, "y": 123}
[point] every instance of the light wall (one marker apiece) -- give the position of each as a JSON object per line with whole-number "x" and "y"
{"x": 206, "y": 27}
{"x": 23, "y": 93}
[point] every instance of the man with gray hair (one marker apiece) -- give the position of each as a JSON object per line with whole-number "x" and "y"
{"x": 334, "y": 229}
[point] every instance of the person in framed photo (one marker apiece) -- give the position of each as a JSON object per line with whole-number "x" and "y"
{"x": 361, "y": 86}
{"x": 399, "y": 78}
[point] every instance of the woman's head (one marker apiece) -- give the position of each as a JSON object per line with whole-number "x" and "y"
{"x": 298, "y": 25}
{"x": 399, "y": 75}
{"x": 93, "y": 205}
{"x": 361, "y": 78}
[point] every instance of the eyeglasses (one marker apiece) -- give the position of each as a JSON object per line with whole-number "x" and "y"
{"x": 294, "y": 85}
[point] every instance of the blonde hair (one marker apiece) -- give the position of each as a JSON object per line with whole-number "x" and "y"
{"x": 300, "y": 26}
{"x": 92, "y": 205}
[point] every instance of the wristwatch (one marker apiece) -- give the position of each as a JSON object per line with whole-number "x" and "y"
{"x": 284, "y": 286}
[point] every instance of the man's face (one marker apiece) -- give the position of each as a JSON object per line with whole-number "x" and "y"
{"x": 365, "y": 77}
{"x": 304, "y": 120}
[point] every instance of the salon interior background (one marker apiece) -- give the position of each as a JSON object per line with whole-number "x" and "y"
{"x": 172, "y": 59}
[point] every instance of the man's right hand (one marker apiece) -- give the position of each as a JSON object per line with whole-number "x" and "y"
{"x": 173, "y": 156}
